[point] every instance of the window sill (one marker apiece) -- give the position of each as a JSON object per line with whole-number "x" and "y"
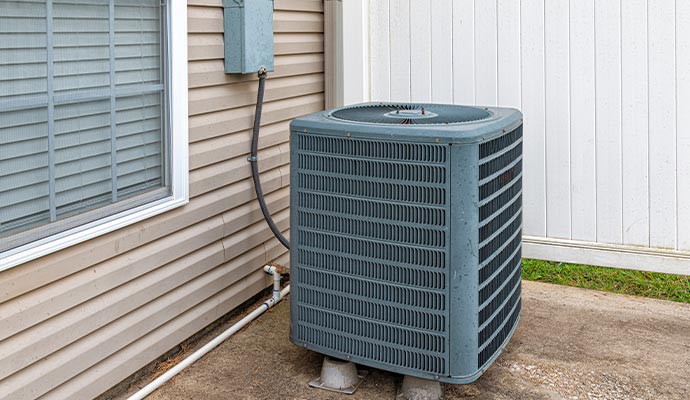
{"x": 88, "y": 231}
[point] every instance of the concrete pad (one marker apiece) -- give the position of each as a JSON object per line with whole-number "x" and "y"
{"x": 571, "y": 344}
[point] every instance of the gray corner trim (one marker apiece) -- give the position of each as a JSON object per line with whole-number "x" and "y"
{"x": 464, "y": 252}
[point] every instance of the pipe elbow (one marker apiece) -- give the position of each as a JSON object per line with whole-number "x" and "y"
{"x": 269, "y": 269}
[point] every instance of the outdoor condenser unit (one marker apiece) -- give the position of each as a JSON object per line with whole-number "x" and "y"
{"x": 406, "y": 236}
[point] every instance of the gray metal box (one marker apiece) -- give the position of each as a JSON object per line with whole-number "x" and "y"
{"x": 406, "y": 236}
{"x": 248, "y": 35}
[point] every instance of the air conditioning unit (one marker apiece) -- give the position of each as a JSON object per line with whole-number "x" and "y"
{"x": 406, "y": 236}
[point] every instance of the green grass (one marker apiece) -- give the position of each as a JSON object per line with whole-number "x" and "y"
{"x": 636, "y": 283}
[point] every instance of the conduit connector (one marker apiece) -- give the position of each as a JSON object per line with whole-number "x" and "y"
{"x": 273, "y": 271}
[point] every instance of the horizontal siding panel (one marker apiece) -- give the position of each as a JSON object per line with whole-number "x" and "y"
{"x": 286, "y": 5}
{"x": 290, "y": 21}
{"x": 206, "y": 126}
{"x": 211, "y": 47}
{"x": 18, "y": 281}
{"x": 285, "y": 258}
{"x": 296, "y": 43}
{"x": 77, "y": 322}
{"x": 108, "y": 372}
{"x": 227, "y": 172}
{"x": 206, "y": 3}
{"x": 210, "y": 20}
{"x": 205, "y": 20}
{"x": 212, "y": 73}
{"x": 235, "y": 245}
{"x": 62, "y": 295}
{"x": 213, "y": 265}
{"x": 83, "y": 354}
{"x": 299, "y": 5}
{"x": 216, "y": 98}
{"x": 205, "y": 47}
{"x": 215, "y": 150}
{"x": 37, "y": 342}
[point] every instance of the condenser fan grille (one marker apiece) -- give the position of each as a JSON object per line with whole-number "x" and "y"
{"x": 411, "y": 114}
{"x": 371, "y": 247}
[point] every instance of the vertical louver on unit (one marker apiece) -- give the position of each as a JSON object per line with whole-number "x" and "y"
{"x": 500, "y": 253}
{"x": 406, "y": 223}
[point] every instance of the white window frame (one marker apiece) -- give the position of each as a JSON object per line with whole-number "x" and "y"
{"x": 179, "y": 160}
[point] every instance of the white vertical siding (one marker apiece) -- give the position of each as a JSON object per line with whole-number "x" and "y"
{"x": 583, "y": 188}
{"x": 485, "y": 52}
{"x": 380, "y": 55}
{"x": 605, "y": 90}
{"x": 662, "y": 123}
{"x": 420, "y": 46}
{"x": 463, "y": 52}
{"x": 557, "y": 68}
{"x": 442, "y": 59}
{"x": 607, "y": 23}
{"x": 534, "y": 110}
{"x": 400, "y": 42}
{"x": 683, "y": 122}
{"x": 635, "y": 123}
{"x": 509, "y": 65}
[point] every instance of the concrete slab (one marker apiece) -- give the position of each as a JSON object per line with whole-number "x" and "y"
{"x": 571, "y": 344}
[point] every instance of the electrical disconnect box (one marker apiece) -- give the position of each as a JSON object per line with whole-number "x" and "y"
{"x": 248, "y": 36}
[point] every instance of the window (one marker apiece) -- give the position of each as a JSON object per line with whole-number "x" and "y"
{"x": 90, "y": 136}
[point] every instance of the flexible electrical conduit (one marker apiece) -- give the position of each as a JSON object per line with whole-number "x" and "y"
{"x": 278, "y": 295}
{"x": 255, "y": 162}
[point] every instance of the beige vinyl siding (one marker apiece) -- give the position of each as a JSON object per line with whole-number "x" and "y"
{"x": 77, "y": 322}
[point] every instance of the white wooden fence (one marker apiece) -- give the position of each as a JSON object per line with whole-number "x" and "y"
{"x": 605, "y": 89}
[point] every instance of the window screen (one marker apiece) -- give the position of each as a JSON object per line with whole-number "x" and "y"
{"x": 83, "y": 99}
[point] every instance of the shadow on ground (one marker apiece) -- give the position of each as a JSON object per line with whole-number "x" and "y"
{"x": 571, "y": 344}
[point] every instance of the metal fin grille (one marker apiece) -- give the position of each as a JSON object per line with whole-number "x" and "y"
{"x": 372, "y": 250}
{"x": 372, "y": 149}
{"x": 398, "y": 274}
{"x": 356, "y": 346}
{"x": 372, "y": 210}
{"x": 351, "y": 185}
{"x": 500, "y": 226}
{"x": 404, "y": 317}
{"x": 496, "y": 342}
{"x": 387, "y": 170}
{"x": 387, "y": 231}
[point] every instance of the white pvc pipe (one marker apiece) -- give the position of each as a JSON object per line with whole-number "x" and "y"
{"x": 278, "y": 295}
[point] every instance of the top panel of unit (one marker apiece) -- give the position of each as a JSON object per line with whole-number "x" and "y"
{"x": 410, "y": 114}
{"x": 441, "y": 123}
